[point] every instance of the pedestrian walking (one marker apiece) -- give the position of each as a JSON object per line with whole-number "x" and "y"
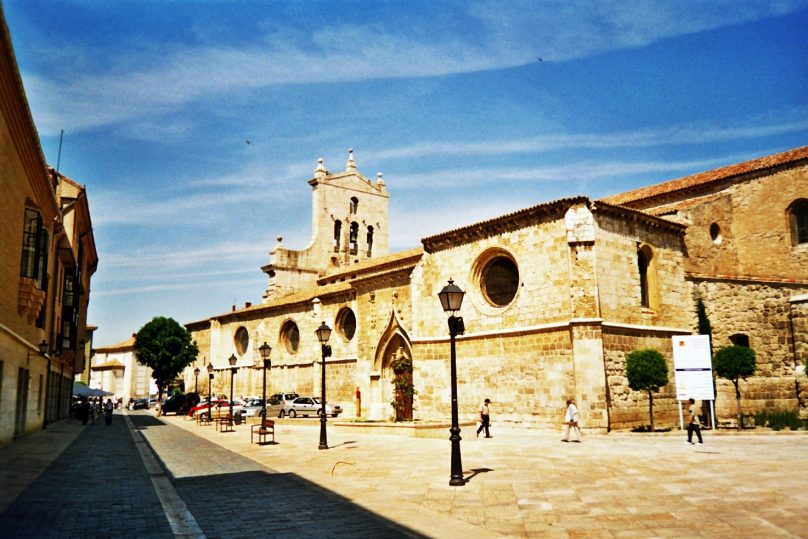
{"x": 693, "y": 423}
{"x": 93, "y": 411}
{"x": 108, "y": 412}
{"x": 571, "y": 422}
{"x": 485, "y": 418}
{"x": 84, "y": 410}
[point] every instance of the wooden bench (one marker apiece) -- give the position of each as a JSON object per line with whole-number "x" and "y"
{"x": 224, "y": 423}
{"x": 203, "y": 419}
{"x": 263, "y": 429}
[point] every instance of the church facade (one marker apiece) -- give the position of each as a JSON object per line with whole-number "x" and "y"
{"x": 556, "y": 295}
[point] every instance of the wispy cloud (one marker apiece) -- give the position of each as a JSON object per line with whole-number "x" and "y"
{"x": 797, "y": 120}
{"x": 145, "y": 81}
{"x": 190, "y": 257}
{"x": 169, "y": 287}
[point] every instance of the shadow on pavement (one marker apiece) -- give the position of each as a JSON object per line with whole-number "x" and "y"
{"x": 97, "y": 487}
{"x": 230, "y": 495}
{"x": 262, "y": 504}
{"x": 475, "y": 471}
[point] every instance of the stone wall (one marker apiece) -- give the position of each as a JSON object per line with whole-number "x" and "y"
{"x": 526, "y": 375}
{"x": 629, "y": 408}
{"x": 761, "y": 311}
{"x": 618, "y": 240}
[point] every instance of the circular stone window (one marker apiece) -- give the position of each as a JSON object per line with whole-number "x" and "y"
{"x": 499, "y": 280}
{"x": 715, "y": 233}
{"x": 290, "y": 336}
{"x": 242, "y": 340}
{"x": 346, "y": 323}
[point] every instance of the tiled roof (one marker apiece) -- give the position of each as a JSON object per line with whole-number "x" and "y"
{"x": 372, "y": 265}
{"x": 128, "y": 344}
{"x": 704, "y": 178}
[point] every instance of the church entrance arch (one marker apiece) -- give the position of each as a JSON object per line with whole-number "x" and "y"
{"x": 392, "y": 375}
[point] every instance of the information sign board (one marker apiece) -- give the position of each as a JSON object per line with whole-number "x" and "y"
{"x": 693, "y": 367}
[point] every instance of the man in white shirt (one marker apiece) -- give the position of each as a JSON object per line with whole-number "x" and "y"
{"x": 485, "y": 418}
{"x": 571, "y": 422}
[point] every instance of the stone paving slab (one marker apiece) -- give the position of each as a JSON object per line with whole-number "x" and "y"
{"x": 75, "y": 481}
{"x": 523, "y": 484}
{"x": 233, "y": 496}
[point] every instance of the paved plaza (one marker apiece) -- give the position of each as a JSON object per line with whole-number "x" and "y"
{"x": 150, "y": 477}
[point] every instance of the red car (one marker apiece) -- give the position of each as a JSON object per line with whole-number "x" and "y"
{"x": 217, "y": 405}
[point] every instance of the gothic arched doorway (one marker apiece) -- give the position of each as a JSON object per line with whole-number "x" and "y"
{"x": 392, "y": 381}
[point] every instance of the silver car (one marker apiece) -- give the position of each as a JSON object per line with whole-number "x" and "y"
{"x": 254, "y": 407}
{"x": 307, "y": 406}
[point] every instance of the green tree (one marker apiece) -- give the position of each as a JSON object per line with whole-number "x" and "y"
{"x": 733, "y": 363}
{"x": 647, "y": 370}
{"x": 166, "y": 348}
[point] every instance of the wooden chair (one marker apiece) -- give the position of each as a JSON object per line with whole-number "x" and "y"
{"x": 262, "y": 430}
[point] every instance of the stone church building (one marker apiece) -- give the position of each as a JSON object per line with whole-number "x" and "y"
{"x": 556, "y": 295}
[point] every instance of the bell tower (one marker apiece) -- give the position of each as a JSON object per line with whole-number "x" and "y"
{"x": 349, "y": 225}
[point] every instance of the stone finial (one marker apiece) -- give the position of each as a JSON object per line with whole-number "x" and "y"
{"x": 351, "y": 162}
{"x": 320, "y": 171}
{"x": 379, "y": 178}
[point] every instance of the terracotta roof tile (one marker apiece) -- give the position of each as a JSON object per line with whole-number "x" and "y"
{"x": 704, "y": 178}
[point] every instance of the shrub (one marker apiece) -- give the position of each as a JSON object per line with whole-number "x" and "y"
{"x": 735, "y": 363}
{"x": 646, "y": 370}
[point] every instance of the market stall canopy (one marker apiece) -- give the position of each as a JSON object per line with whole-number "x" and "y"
{"x": 82, "y": 390}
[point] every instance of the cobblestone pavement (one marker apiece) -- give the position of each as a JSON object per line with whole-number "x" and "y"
{"x": 519, "y": 484}
{"x": 97, "y": 486}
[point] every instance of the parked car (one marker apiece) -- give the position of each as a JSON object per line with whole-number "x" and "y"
{"x": 307, "y": 406}
{"x": 140, "y": 404}
{"x": 218, "y": 406}
{"x": 180, "y": 403}
{"x": 254, "y": 407}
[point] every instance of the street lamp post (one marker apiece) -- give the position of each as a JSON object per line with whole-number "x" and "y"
{"x": 451, "y": 298}
{"x": 232, "y": 360}
{"x": 323, "y": 333}
{"x": 196, "y": 380}
{"x": 210, "y": 390}
{"x": 265, "y": 350}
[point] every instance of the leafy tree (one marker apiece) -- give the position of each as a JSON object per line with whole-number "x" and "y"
{"x": 166, "y": 347}
{"x": 733, "y": 363}
{"x": 647, "y": 370}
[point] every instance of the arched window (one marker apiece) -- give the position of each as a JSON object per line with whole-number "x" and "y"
{"x": 370, "y": 240}
{"x": 242, "y": 340}
{"x": 500, "y": 281}
{"x": 354, "y": 205}
{"x": 337, "y": 234}
{"x": 739, "y": 339}
{"x": 290, "y": 336}
{"x": 648, "y": 281}
{"x": 346, "y": 323}
{"x": 354, "y": 238}
{"x": 798, "y": 221}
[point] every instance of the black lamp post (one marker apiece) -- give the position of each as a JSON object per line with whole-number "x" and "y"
{"x": 196, "y": 380}
{"x": 451, "y": 298}
{"x": 323, "y": 334}
{"x": 232, "y": 360}
{"x": 265, "y": 350}
{"x": 210, "y": 390}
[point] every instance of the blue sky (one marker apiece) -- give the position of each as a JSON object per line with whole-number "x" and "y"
{"x": 470, "y": 109}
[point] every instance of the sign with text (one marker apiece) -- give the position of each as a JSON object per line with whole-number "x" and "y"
{"x": 693, "y": 367}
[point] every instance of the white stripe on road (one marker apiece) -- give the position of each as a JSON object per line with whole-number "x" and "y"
{"x": 182, "y": 522}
